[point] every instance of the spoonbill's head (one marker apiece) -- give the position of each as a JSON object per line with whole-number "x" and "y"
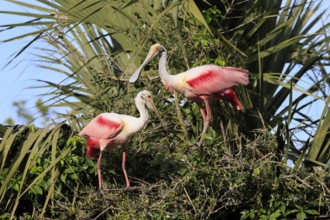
{"x": 145, "y": 98}
{"x": 154, "y": 50}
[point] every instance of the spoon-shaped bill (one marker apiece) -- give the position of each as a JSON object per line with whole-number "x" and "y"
{"x": 154, "y": 50}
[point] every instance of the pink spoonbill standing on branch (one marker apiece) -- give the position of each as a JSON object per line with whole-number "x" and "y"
{"x": 108, "y": 130}
{"x": 199, "y": 84}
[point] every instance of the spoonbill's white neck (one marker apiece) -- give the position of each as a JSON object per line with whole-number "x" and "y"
{"x": 162, "y": 68}
{"x": 143, "y": 111}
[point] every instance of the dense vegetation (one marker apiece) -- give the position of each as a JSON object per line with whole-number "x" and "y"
{"x": 270, "y": 161}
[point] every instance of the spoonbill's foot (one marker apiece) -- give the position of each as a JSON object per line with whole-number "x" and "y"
{"x": 97, "y": 193}
{"x": 100, "y": 192}
{"x": 201, "y": 140}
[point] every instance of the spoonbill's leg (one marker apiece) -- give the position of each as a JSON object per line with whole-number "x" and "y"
{"x": 99, "y": 171}
{"x": 206, "y": 119}
{"x": 123, "y": 165}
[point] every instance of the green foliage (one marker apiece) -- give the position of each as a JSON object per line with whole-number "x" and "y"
{"x": 27, "y": 117}
{"x": 204, "y": 183}
{"x": 279, "y": 211}
{"x": 22, "y": 112}
{"x": 39, "y": 165}
{"x": 320, "y": 147}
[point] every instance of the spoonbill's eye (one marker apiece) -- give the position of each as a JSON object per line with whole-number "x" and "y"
{"x": 161, "y": 49}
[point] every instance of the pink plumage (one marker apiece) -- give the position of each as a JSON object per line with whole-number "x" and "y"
{"x": 93, "y": 146}
{"x": 214, "y": 82}
{"x": 104, "y": 126}
{"x": 209, "y": 79}
{"x": 206, "y": 79}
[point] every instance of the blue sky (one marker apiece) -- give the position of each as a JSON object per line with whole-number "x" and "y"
{"x": 15, "y": 80}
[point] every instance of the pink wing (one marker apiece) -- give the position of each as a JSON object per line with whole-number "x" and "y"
{"x": 104, "y": 126}
{"x": 210, "y": 79}
{"x": 93, "y": 146}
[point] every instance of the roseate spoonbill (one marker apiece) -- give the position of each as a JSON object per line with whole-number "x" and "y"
{"x": 108, "y": 130}
{"x": 199, "y": 83}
